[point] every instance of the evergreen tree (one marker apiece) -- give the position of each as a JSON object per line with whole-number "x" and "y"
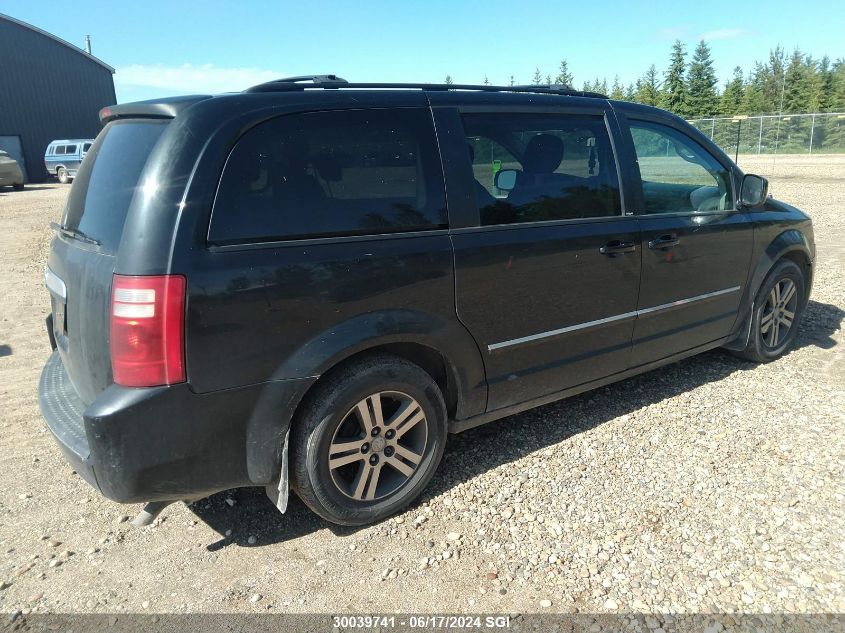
{"x": 538, "y": 77}
{"x": 731, "y": 101}
{"x": 648, "y": 88}
{"x": 486, "y": 81}
{"x": 599, "y": 85}
{"x": 772, "y": 81}
{"x": 837, "y": 90}
{"x": 674, "y": 96}
{"x": 826, "y": 82}
{"x": 701, "y": 96}
{"x": 512, "y": 82}
{"x": 564, "y": 77}
{"x": 449, "y": 81}
{"x": 630, "y": 93}
{"x": 616, "y": 90}
{"x": 814, "y": 79}
{"x": 548, "y": 80}
{"x": 753, "y": 101}
{"x": 795, "y": 93}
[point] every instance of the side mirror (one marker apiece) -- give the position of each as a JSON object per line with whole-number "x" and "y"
{"x": 754, "y": 191}
{"x": 505, "y": 179}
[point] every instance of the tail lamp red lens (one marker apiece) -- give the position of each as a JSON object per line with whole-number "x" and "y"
{"x": 148, "y": 330}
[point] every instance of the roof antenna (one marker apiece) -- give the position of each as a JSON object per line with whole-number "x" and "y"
{"x": 88, "y": 44}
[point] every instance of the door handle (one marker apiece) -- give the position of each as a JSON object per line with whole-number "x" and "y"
{"x": 617, "y": 246}
{"x": 664, "y": 242}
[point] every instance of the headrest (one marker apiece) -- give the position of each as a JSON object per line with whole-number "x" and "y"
{"x": 543, "y": 154}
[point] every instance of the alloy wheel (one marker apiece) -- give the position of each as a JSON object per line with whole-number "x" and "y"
{"x": 378, "y": 446}
{"x": 779, "y": 313}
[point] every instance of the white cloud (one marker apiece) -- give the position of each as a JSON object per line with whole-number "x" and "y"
{"x": 723, "y": 34}
{"x": 188, "y": 78}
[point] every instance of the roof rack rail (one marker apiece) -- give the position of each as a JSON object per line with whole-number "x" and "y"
{"x": 295, "y": 83}
{"x": 334, "y": 82}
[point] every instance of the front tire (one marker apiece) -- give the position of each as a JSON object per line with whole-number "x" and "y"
{"x": 62, "y": 175}
{"x": 778, "y": 307}
{"x": 368, "y": 440}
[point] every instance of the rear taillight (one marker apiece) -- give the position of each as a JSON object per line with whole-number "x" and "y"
{"x": 148, "y": 330}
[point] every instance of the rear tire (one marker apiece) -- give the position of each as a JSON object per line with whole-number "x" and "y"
{"x": 367, "y": 441}
{"x": 62, "y": 175}
{"x": 778, "y": 307}
{"x": 18, "y": 186}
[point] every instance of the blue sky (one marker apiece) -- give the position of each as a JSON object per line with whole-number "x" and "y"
{"x": 171, "y": 47}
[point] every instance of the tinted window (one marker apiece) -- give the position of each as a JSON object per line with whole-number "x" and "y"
{"x": 60, "y": 149}
{"x": 108, "y": 178}
{"x": 86, "y": 147}
{"x": 70, "y": 149}
{"x": 331, "y": 173}
{"x": 677, "y": 173}
{"x": 564, "y": 167}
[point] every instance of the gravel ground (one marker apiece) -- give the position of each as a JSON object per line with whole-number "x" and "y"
{"x": 711, "y": 485}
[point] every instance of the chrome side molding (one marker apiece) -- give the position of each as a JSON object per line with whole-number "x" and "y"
{"x": 611, "y": 319}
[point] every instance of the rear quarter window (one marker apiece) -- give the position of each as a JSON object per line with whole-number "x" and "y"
{"x": 332, "y": 173}
{"x": 108, "y": 178}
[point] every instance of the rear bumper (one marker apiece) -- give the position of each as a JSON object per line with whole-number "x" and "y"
{"x": 169, "y": 443}
{"x": 62, "y": 410}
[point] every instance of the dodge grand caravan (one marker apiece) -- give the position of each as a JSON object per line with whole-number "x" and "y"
{"x": 309, "y": 284}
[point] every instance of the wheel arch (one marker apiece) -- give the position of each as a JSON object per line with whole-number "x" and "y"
{"x": 443, "y": 349}
{"x": 790, "y": 244}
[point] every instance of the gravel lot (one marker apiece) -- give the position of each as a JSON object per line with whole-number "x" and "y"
{"x": 712, "y": 485}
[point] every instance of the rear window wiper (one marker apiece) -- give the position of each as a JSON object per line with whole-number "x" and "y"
{"x": 74, "y": 233}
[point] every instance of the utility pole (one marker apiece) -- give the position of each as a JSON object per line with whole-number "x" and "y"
{"x": 738, "y": 119}
{"x": 812, "y": 131}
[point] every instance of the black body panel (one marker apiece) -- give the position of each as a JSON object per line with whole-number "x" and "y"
{"x": 708, "y": 264}
{"x": 168, "y": 443}
{"x": 522, "y": 281}
{"x": 519, "y": 314}
{"x": 81, "y": 319}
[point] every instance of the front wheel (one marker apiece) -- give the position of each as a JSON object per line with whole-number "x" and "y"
{"x": 62, "y": 175}
{"x": 368, "y": 441}
{"x": 777, "y": 312}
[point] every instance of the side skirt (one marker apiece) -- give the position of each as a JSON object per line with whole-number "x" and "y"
{"x": 459, "y": 426}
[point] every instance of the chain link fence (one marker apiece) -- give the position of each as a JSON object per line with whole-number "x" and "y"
{"x": 818, "y": 133}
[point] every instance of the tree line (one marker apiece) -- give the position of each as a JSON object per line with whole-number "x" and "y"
{"x": 689, "y": 87}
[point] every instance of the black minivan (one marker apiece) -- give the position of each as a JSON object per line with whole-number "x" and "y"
{"x": 311, "y": 283}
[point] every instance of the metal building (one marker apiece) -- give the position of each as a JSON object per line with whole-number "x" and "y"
{"x": 49, "y": 89}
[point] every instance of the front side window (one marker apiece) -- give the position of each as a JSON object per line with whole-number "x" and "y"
{"x": 335, "y": 173}
{"x": 541, "y": 167}
{"x": 678, "y": 175}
